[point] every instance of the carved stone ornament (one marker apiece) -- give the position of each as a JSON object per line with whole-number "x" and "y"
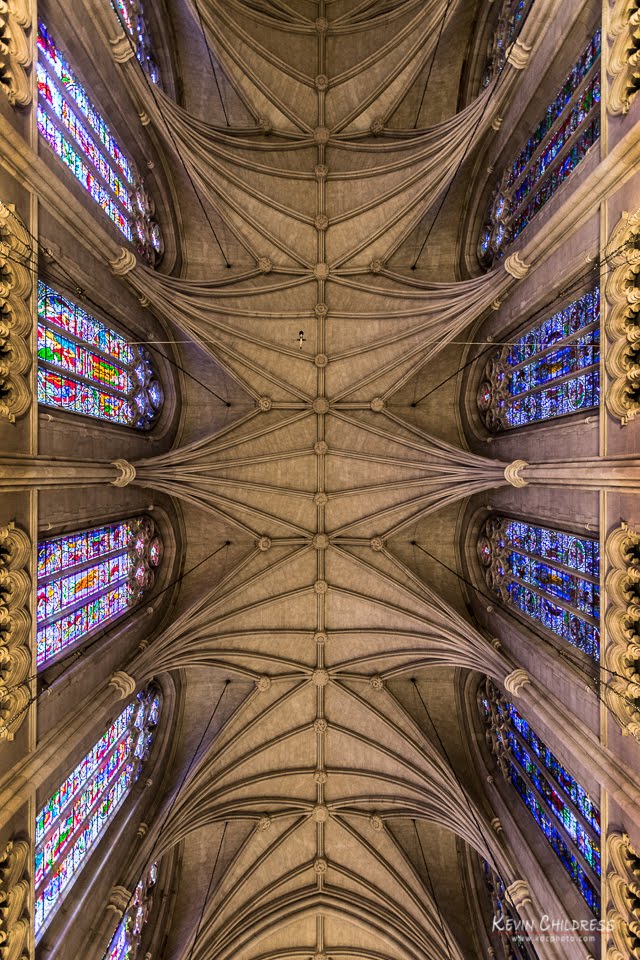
{"x": 622, "y": 628}
{"x": 15, "y": 318}
{"x": 15, "y": 657}
{"x": 623, "y": 321}
{"x": 15, "y": 922}
{"x": 624, "y": 55}
{"x": 15, "y": 51}
{"x": 623, "y": 908}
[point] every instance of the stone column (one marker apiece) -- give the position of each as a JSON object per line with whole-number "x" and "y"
{"x": 28, "y": 473}
{"x": 600, "y": 473}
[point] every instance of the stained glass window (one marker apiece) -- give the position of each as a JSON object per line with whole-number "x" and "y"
{"x": 510, "y": 21}
{"x": 72, "y": 821}
{"x": 562, "y": 808}
{"x": 505, "y": 920}
{"x": 561, "y": 140}
{"x": 550, "y": 371}
{"x": 87, "y": 579}
{"x": 130, "y": 13}
{"x": 74, "y": 129}
{"x": 550, "y": 576}
{"x": 84, "y": 367}
{"x": 126, "y": 940}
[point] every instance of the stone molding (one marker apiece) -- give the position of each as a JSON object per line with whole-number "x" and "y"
{"x": 622, "y": 627}
{"x": 15, "y": 317}
{"x": 624, "y": 57}
{"x": 15, "y": 922}
{"x": 623, "y": 320}
{"x": 15, "y": 622}
{"x": 623, "y": 912}
{"x": 16, "y": 55}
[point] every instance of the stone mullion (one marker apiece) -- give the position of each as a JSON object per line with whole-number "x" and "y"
{"x": 548, "y": 596}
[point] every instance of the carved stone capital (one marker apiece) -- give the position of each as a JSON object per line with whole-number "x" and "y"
{"x": 519, "y": 893}
{"x": 15, "y": 619}
{"x": 124, "y": 263}
{"x": 16, "y": 51}
{"x": 519, "y": 54}
{"x": 122, "y": 49}
{"x": 515, "y": 681}
{"x": 623, "y": 908}
{"x": 623, "y": 320}
{"x": 622, "y": 633}
{"x": 512, "y": 473}
{"x": 14, "y": 899}
{"x": 118, "y": 899}
{"x": 622, "y": 62}
{"x": 515, "y": 266}
{"x": 123, "y": 683}
{"x": 16, "y": 255}
{"x": 127, "y": 473}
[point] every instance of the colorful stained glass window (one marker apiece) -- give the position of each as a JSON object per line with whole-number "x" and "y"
{"x": 125, "y": 942}
{"x": 551, "y": 576}
{"x": 561, "y": 140}
{"x": 88, "y": 579}
{"x": 75, "y": 130}
{"x": 72, "y": 821}
{"x": 130, "y": 13}
{"x": 511, "y": 18}
{"x": 84, "y": 367}
{"x": 515, "y": 942}
{"x": 550, "y": 371}
{"x": 561, "y": 807}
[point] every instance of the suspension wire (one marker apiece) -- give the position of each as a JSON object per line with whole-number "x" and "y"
{"x": 433, "y": 58}
{"x": 433, "y": 893}
{"x": 565, "y": 655}
{"x": 208, "y": 893}
{"x": 463, "y": 791}
{"x": 213, "y": 69}
{"x": 79, "y": 654}
{"x": 467, "y": 147}
{"x": 180, "y": 786}
{"x": 153, "y": 92}
{"x": 575, "y": 284}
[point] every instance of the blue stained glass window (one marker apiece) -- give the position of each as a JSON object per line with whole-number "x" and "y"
{"x": 550, "y": 575}
{"x": 76, "y": 131}
{"x": 512, "y": 16}
{"x": 560, "y": 141}
{"x": 84, "y": 367}
{"x": 550, "y": 371}
{"x": 88, "y": 579}
{"x": 73, "y": 820}
{"x": 514, "y": 941}
{"x": 130, "y": 13}
{"x": 125, "y": 942}
{"x": 561, "y": 807}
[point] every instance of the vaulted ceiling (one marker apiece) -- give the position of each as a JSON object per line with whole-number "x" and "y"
{"x": 328, "y": 813}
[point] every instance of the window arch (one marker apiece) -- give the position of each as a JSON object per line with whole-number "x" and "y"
{"x": 510, "y": 20}
{"x": 88, "y": 579}
{"x": 561, "y": 807}
{"x": 87, "y": 368}
{"x": 550, "y": 576}
{"x": 75, "y": 130}
{"x": 551, "y": 371}
{"x": 126, "y": 940}
{"x": 74, "y": 819}
{"x": 130, "y": 13}
{"x": 560, "y": 141}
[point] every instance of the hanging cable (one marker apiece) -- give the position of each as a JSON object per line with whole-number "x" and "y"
{"x": 208, "y": 894}
{"x": 433, "y": 58}
{"x": 433, "y": 893}
{"x": 213, "y": 69}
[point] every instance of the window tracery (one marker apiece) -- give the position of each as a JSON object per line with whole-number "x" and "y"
{"x": 131, "y": 15}
{"x": 550, "y": 371}
{"x": 561, "y": 807}
{"x": 126, "y": 940}
{"x": 561, "y": 140}
{"x": 73, "y": 820}
{"x": 88, "y": 579}
{"x": 551, "y": 576}
{"x": 75, "y": 130}
{"x": 87, "y": 368}
{"x": 512, "y": 16}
